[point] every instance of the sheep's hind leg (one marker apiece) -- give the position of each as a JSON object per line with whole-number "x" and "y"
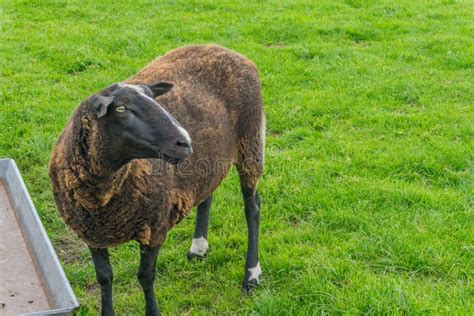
{"x": 146, "y": 277}
{"x": 104, "y": 275}
{"x": 252, "y": 214}
{"x": 200, "y": 245}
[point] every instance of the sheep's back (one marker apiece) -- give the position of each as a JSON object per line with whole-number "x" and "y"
{"x": 214, "y": 97}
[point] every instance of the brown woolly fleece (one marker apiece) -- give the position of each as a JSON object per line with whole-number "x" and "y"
{"x": 216, "y": 98}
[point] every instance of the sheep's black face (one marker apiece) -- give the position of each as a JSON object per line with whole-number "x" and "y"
{"x": 132, "y": 125}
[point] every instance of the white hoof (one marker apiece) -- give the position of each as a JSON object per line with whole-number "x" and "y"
{"x": 199, "y": 246}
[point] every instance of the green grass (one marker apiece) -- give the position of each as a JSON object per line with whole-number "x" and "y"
{"x": 368, "y": 188}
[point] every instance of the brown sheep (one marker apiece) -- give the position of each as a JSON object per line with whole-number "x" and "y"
{"x": 124, "y": 169}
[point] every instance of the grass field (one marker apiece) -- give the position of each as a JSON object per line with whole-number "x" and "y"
{"x": 368, "y": 188}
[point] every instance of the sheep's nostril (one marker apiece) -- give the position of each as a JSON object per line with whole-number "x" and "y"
{"x": 184, "y": 144}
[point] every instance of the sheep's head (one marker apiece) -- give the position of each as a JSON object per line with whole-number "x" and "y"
{"x": 130, "y": 125}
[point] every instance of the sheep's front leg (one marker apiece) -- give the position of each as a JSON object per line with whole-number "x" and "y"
{"x": 252, "y": 214}
{"x": 146, "y": 277}
{"x": 104, "y": 275}
{"x": 200, "y": 246}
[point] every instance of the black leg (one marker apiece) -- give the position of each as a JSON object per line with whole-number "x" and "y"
{"x": 200, "y": 245}
{"x": 252, "y": 214}
{"x": 146, "y": 277}
{"x": 104, "y": 275}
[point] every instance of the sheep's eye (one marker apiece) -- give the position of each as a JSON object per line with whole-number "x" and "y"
{"x": 120, "y": 109}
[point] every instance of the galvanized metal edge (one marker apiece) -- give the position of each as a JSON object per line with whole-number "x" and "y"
{"x": 59, "y": 290}
{"x": 57, "y": 312}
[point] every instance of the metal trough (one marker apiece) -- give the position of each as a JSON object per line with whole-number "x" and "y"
{"x": 32, "y": 281}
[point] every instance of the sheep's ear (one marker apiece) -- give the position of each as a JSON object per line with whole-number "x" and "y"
{"x": 100, "y": 105}
{"x": 159, "y": 88}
